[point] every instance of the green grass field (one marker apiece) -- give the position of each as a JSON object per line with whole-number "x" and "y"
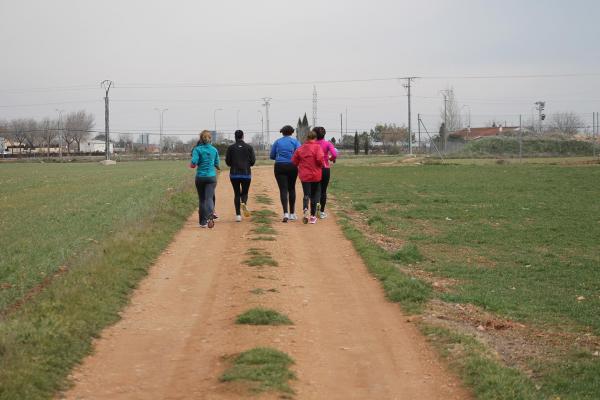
{"x": 53, "y": 212}
{"x": 104, "y": 226}
{"x": 521, "y": 241}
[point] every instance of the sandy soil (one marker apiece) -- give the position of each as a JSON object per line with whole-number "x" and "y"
{"x": 347, "y": 340}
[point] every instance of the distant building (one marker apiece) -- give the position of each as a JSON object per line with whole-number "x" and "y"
{"x": 144, "y": 139}
{"x": 95, "y": 146}
{"x": 478, "y": 133}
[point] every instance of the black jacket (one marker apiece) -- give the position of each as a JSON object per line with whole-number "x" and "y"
{"x": 240, "y": 157}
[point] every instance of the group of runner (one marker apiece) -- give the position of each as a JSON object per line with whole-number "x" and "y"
{"x": 309, "y": 161}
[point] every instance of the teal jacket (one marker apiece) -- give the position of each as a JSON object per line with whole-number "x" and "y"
{"x": 206, "y": 158}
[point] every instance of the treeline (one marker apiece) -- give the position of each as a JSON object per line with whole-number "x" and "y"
{"x": 66, "y": 132}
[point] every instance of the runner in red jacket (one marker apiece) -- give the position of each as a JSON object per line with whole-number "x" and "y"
{"x": 309, "y": 159}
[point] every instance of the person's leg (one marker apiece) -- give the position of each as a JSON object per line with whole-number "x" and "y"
{"x": 291, "y": 182}
{"x": 281, "y": 179}
{"x": 204, "y": 214}
{"x": 199, "y": 189}
{"x": 209, "y": 205}
{"x": 245, "y": 189}
{"x": 236, "y": 194}
{"x": 314, "y": 197}
{"x": 306, "y": 186}
{"x": 324, "y": 184}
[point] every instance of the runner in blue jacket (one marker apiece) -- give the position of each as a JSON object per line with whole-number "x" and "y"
{"x": 285, "y": 171}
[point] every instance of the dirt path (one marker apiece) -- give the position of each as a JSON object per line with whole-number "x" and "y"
{"x": 348, "y": 341}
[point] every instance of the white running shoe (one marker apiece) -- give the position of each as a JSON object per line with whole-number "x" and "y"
{"x": 238, "y": 218}
{"x": 293, "y": 217}
{"x": 286, "y": 217}
{"x": 203, "y": 226}
{"x": 305, "y": 216}
{"x": 322, "y": 215}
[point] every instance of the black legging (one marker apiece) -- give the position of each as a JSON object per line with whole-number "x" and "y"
{"x": 286, "y": 174}
{"x": 324, "y": 184}
{"x": 311, "y": 192}
{"x": 240, "y": 192}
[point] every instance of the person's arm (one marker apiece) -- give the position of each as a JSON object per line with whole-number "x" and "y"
{"x": 252, "y": 156}
{"x": 228, "y": 156}
{"x": 217, "y": 159}
{"x": 332, "y": 151}
{"x": 320, "y": 157}
{"x": 273, "y": 154}
{"x": 194, "y": 161}
{"x": 295, "y": 158}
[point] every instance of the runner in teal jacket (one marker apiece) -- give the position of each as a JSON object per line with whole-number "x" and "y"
{"x": 205, "y": 158}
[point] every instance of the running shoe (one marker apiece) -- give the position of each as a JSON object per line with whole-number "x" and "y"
{"x": 322, "y": 215}
{"x": 293, "y": 217}
{"x": 245, "y": 210}
{"x": 286, "y": 217}
{"x": 211, "y": 222}
{"x": 215, "y": 216}
{"x": 313, "y": 219}
{"x": 238, "y": 218}
{"x": 203, "y": 226}
{"x": 305, "y": 216}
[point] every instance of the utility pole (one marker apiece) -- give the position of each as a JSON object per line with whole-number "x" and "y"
{"x": 262, "y": 129}
{"x": 160, "y": 135}
{"x": 59, "y": 133}
{"x": 267, "y": 103}
{"x": 215, "y": 120}
{"x": 314, "y": 116}
{"x": 407, "y": 86}
{"x": 106, "y": 85}
{"x": 341, "y": 134}
{"x": 445, "y": 94}
{"x": 341, "y": 124}
{"x": 419, "y": 127}
{"x": 520, "y": 138}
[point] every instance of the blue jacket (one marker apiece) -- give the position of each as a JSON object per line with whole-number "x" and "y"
{"x": 206, "y": 158}
{"x": 283, "y": 149}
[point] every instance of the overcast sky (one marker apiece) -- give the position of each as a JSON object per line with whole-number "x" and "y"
{"x": 53, "y": 55}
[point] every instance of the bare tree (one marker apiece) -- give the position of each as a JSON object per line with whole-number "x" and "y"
{"x": 567, "y": 123}
{"x": 77, "y": 127}
{"x": 49, "y": 132}
{"x": 126, "y": 141}
{"x": 389, "y": 134}
{"x": 33, "y": 135}
{"x": 168, "y": 143}
{"x": 18, "y": 132}
{"x": 450, "y": 112}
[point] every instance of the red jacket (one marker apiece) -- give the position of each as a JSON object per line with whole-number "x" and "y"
{"x": 309, "y": 160}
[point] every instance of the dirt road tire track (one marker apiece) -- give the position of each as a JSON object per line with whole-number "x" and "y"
{"x": 348, "y": 341}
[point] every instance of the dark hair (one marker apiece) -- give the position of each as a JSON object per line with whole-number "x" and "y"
{"x": 320, "y": 131}
{"x": 239, "y": 134}
{"x": 287, "y": 130}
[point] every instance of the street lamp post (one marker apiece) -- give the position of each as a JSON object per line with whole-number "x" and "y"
{"x": 162, "y": 113}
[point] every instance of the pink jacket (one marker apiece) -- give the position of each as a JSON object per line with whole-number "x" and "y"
{"x": 328, "y": 150}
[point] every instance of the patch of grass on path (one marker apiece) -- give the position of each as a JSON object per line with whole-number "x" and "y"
{"x": 263, "y": 199}
{"x": 266, "y": 369}
{"x": 259, "y": 257}
{"x": 47, "y": 336}
{"x": 263, "y": 316}
{"x": 264, "y": 238}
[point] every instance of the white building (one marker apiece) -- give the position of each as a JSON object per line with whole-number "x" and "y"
{"x": 95, "y": 146}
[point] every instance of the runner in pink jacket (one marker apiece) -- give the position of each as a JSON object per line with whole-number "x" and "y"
{"x": 330, "y": 155}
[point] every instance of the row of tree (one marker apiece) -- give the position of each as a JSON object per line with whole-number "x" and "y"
{"x": 29, "y": 133}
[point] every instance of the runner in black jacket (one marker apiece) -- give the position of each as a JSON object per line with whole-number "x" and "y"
{"x": 240, "y": 157}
